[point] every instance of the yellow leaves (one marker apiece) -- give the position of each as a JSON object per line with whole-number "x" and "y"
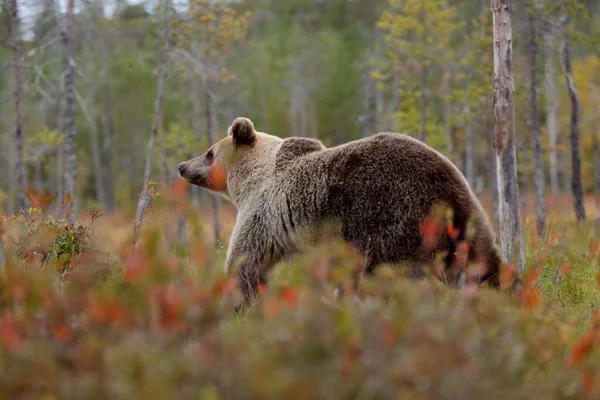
{"x": 208, "y": 35}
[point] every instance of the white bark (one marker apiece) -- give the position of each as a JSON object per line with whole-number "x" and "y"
{"x": 19, "y": 136}
{"x": 70, "y": 147}
{"x": 504, "y": 136}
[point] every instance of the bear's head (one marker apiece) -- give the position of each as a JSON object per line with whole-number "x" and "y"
{"x": 229, "y": 156}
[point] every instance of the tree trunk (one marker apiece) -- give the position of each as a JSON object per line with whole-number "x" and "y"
{"x": 538, "y": 175}
{"x": 60, "y": 147}
{"x": 196, "y": 127}
{"x": 551, "y": 102}
{"x": 576, "y": 185}
{"x": 70, "y": 149}
{"x": 158, "y": 106}
{"x": 524, "y": 194}
{"x": 423, "y": 133}
{"x": 468, "y": 146}
{"x": 210, "y": 131}
{"x": 448, "y": 114}
{"x": 107, "y": 141}
{"x": 504, "y": 136}
{"x": 2, "y": 255}
{"x": 107, "y": 123}
{"x": 596, "y": 150}
{"x": 19, "y": 136}
{"x": 96, "y": 161}
{"x": 165, "y": 176}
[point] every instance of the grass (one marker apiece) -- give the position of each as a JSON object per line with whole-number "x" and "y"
{"x": 99, "y": 320}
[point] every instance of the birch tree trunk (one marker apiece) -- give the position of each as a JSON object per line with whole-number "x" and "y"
{"x": 19, "y": 139}
{"x": 504, "y": 136}
{"x": 70, "y": 150}
{"x": 551, "y": 103}
{"x": 107, "y": 141}
{"x": 96, "y": 160}
{"x": 576, "y": 185}
{"x": 158, "y": 106}
{"x": 60, "y": 150}
{"x": 107, "y": 123}
{"x": 538, "y": 175}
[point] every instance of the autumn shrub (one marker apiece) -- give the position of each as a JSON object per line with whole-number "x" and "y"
{"x": 160, "y": 326}
{"x": 40, "y": 237}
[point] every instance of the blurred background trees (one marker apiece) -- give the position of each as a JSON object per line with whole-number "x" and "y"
{"x": 336, "y": 70}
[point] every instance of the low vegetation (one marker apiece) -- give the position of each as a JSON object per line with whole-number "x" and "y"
{"x": 83, "y": 315}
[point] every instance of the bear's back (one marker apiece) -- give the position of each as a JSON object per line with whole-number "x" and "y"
{"x": 382, "y": 188}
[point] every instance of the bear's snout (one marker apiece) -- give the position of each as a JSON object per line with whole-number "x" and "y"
{"x": 181, "y": 167}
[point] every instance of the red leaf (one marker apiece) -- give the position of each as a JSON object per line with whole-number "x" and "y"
{"x": 565, "y": 269}
{"x": 589, "y": 382}
{"x": 452, "y": 232}
{"x": 261, "y": 288}
{"x": 582, "y": 347}
{"x": 507, "y": 275}
{"x": 61, "y": 332}
{"x": 289, "y": 295}
{"x": 9, "y": 333}
{"x": 225, "y": 286}
{"x": 594, "y": 249}
{"x": 34, "y": 200}
{"x": 180, "y": 188}
{"x": 67, "y": 200}
{"x": 136, "y": 267}
{"x": 431, "y": 230}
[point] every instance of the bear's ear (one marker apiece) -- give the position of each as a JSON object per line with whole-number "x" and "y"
{"x": 242, "y": 131}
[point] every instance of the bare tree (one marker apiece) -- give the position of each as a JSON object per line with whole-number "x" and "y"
{"x": 158, "y": 107}
{"x": 70, "y": 149}
{"x": 538, "y": 175}
{"x": 596, "y": 152}
{"x": 504, "y": 135}
{"x": 576, "y": 185}
{"x": 551, "y": 111}
{"x": 468, "y": 146}
{"x": 2, "y": 255}
{"x": 106, "y": 116}
{"x": 448, "y": 112}
{"x": 19, "y": 139}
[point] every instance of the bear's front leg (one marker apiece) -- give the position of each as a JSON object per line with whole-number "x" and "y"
{"x": 254, "y": 257}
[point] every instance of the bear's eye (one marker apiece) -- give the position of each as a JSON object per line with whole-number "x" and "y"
{"x": 209, "y": 155}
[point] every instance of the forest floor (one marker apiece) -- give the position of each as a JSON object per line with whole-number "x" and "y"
{"x": 83, "y": 316}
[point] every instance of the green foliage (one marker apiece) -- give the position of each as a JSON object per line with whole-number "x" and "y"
{"x": 181, "y": 143}
{"x": 52, "y": 241}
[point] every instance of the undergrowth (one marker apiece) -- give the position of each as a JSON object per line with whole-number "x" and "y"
{"x": 109, "y": 321}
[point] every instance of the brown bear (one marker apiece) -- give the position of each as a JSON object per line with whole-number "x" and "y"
{"x": 385, "y": 192}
